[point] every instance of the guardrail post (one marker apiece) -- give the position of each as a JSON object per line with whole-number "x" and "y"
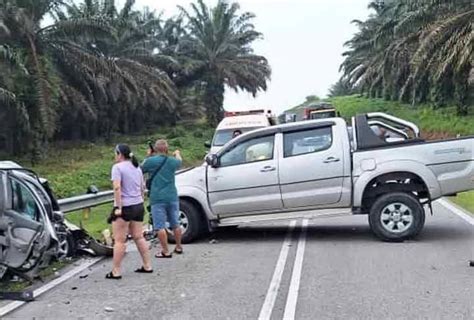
{"x": 85, "y": 213}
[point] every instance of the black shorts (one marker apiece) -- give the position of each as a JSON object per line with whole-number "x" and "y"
{"x": 133, "y": 213}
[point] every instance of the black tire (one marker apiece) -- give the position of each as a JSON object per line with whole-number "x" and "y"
{"x": 393, "y": 206}
{"x": 195, "y": 223}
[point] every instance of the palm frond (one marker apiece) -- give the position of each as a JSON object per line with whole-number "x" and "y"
{"x": 7, "y": 97}
{"x": 73, "y": 28}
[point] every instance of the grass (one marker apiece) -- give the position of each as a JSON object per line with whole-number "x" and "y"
{"x": 428, "y": 119}
{"x": 435, "y": 123}
{"x": 465, "y": 200}
{"x": 96, "y": 222}
{"x": 72, "y": 167}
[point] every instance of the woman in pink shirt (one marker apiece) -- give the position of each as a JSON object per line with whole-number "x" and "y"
{"x": 129, "y": 188}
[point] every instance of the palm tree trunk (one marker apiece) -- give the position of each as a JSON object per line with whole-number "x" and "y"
{"x": 214, "y": 101}
{"x": 43, "y": 128}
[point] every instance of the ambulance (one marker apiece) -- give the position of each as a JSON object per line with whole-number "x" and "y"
{"x": 239, "y": 122}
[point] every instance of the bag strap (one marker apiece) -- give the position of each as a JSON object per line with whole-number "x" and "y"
{"x": 157, "y": 170}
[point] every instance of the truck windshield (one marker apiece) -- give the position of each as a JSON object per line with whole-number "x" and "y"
{"x": 223, "y": 136}
{"x": 323, "y": 115}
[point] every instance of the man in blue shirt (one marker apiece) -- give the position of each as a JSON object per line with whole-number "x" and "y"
{"x": 164, "y": 199}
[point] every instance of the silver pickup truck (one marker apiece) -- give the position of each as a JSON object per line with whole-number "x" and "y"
{"x": 324, "y": 168}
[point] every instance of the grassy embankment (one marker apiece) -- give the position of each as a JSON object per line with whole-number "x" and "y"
{"x": 72, "y": 167}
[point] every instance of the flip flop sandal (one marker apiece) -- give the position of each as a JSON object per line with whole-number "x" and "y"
{"x": 178, "y": 251}
{"x": 161, "y": 255}
{"x": 110, "y": 275}
{"x": 143, "y": 270}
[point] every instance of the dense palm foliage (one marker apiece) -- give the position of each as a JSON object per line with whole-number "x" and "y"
{"x": 340, "y": 88}
{"x": 97, "y": 69}
{"x": 415, "y": 51}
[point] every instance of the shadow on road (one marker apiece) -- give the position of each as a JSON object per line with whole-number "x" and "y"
{"x": 333, "y": 233}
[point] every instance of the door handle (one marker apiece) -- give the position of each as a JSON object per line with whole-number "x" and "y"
{"x": 331, "y": 159}
{"x": 267, "y": 169}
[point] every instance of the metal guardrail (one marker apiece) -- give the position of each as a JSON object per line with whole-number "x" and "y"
{"x": 91, "y": 200}
{"x": 86, "y": 201}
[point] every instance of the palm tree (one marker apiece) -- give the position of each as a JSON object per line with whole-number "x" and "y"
{"x": 13, "y": 113}
{"x": 340, "y": 88}
{"x": 43, "y": 50}
{"x": 414, "y": 51}
{"x": 141, "y": 92}
{"x": 219, "y": 45}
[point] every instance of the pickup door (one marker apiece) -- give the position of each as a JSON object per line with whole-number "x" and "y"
{"x": 246, "y": 180}
{"x": 312, "y": 167}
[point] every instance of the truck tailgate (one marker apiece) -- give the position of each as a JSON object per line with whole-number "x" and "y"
{"x": 453, "y": 164}
{"x": 451, "y": 161}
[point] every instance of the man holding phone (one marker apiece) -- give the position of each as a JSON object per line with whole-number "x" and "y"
{"x": 164, "y": 201}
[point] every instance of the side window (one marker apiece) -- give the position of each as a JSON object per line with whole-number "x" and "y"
{"x": 259, "y": 149}
{"x": 308, "y": 141}
{"x": 24, "y": 201}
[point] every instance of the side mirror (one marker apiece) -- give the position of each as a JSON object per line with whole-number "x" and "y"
{"x": 212, "y": 160}
{"x": 58, "y": 216}
{"x": 207, "y": 144}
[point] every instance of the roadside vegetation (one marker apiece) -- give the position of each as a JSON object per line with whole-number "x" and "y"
{"x": 95, "y": 70}
{"x": 415, "y": 52}
{"x": 72, "y": 168}
{"x": 434, "y": 123}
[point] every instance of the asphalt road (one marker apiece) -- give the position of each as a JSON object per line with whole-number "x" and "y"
{"x": 333, "y": 269}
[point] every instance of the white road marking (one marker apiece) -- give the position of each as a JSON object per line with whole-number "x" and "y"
{"x": 292, "y": 299}
{"x": 267, "y": 308}
{"x": 458, "y": 211}
{"x": 68, "y": 275}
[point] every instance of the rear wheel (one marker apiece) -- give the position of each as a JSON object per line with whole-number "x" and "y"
{"x": 396, "y": 217}
{"x": 190, "y": 222}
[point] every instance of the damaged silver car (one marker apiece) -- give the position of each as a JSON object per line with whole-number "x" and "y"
{"x": 27, "y": 236}
{"x": 32, "y": 228}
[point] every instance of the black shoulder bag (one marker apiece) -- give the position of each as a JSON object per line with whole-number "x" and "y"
{"x": 150, "y": 180}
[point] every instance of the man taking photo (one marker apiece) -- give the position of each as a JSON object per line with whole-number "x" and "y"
{"x": 164, "y": 201}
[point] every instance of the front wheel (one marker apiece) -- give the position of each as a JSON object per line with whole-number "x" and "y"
{"x": 190, "y": 222}
{"x": 396, "y": 217}
{"x": 66, "y": 245}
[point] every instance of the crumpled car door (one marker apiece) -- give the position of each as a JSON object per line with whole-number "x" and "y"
{"x": 23, "y": 227}
{"x": 3, "y": 225}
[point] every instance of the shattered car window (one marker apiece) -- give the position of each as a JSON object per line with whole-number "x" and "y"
{"x": 24, "y": 201}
